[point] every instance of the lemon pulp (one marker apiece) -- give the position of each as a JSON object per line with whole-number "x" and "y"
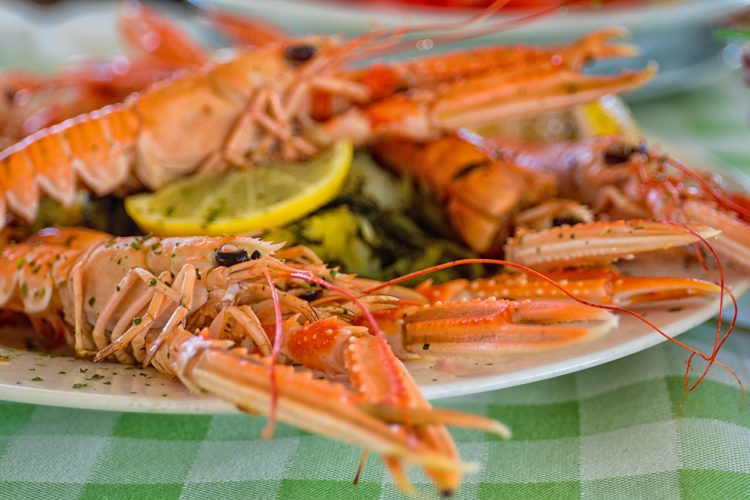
{"x": 243, "y": 200}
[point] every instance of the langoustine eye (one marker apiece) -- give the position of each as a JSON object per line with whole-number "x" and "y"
{"x": 228, "y": 256}
{"x": 566, "y": 220}
{"x": 300, "y": 53}
{"x": 621, "y": 153}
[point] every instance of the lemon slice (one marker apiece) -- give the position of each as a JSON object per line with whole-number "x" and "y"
{"x": 608, "y": 115}
{"x": 245, "y": 200}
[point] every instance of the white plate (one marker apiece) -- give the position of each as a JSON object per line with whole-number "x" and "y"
{"x": 676, "y": 34}
{"x": 351, "y": 17}
{"x": 115, "y": 387}
{"x": 31, "y": 377}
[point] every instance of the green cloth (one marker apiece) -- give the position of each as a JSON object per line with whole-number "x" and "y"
{"x": 603, "y": 433}
{"x": 607, "y": 432}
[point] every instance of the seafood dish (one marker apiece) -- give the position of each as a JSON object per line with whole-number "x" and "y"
{"x": 278, "y": 330}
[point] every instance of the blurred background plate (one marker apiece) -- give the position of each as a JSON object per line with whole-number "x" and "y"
{"x": 46, "y": 37}
{"x": 676, "y": 34}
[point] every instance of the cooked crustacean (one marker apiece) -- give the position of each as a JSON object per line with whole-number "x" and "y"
{"x": 221, "y": 313}
{"x": 620, "y": 180}
{"x": 536, "y": 201}
{"x": 288, "y": 99}
{"x": 481, "y": 195}
{"x": 597, "y": 284}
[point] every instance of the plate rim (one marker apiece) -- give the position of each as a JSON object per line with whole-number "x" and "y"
{"x": 565, "y": 22}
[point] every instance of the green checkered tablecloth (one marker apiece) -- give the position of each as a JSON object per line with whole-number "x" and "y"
{"x": 607, "y": 432}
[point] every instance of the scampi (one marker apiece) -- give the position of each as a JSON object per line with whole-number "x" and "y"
{"x": 289, "y": 98}
{"x": 228, "y": 315}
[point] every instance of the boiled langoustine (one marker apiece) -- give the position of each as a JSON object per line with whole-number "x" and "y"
{"x": 221, "y": 313}
{"x": 289, "y": 99}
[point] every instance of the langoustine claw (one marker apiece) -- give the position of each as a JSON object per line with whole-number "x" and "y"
{"x": 599, "y": 285}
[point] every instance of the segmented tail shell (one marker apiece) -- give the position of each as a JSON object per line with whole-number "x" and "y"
{"x": 95, "y": 148}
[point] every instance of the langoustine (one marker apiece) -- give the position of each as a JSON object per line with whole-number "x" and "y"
{"x": 220, "y": 313}
{"x": 559, "y": 205}
{"x": 289, "y": 99}
{"x": 618, "y": 178}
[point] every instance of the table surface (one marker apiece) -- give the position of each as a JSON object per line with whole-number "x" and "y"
{"x": 607, "y": 432}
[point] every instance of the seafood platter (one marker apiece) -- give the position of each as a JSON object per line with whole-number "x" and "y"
{"x": 304, "y": 228}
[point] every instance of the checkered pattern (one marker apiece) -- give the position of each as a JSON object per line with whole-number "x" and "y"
{"x": 607, "y": 432}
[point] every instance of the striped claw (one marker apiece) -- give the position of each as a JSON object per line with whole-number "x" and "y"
{"x": 480, "y": 100}
{"x": 598, "y": 243}
{"x": 735, "y": 231}
{"x": 385, "y": 412}
{"x": 500, "y": 326}
{"x": 599, "y": 285}
{"x": 315, "y": 405}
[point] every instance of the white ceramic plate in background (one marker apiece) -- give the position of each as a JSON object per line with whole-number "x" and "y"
{"x": 676, "y": 34}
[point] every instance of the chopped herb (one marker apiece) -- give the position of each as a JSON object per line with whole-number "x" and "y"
{"x": 137, "y": 320}
{"x": 214, "y": 212}
{"x": 675, "y": 309}
{"x": 117, "y": 288}
{"x": 20, "y": 263}
{"x": 197, "y": 275}
{"x": 37, "y": 379}
{"x": 107, "y": 382}
{"x": 426, "y": 347}
{"x": 62, "y": 373}
{"x": 119, "y": 261}
{"x": 135, "y": 245}
{"x": 4, "y": 358}
{"x": 84, "y": 370}
{"x": 96, "y": 376}
{"x": 92, "y": 300}
{"x": 79, "y": 386}
{"x": 152, "y": 282}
